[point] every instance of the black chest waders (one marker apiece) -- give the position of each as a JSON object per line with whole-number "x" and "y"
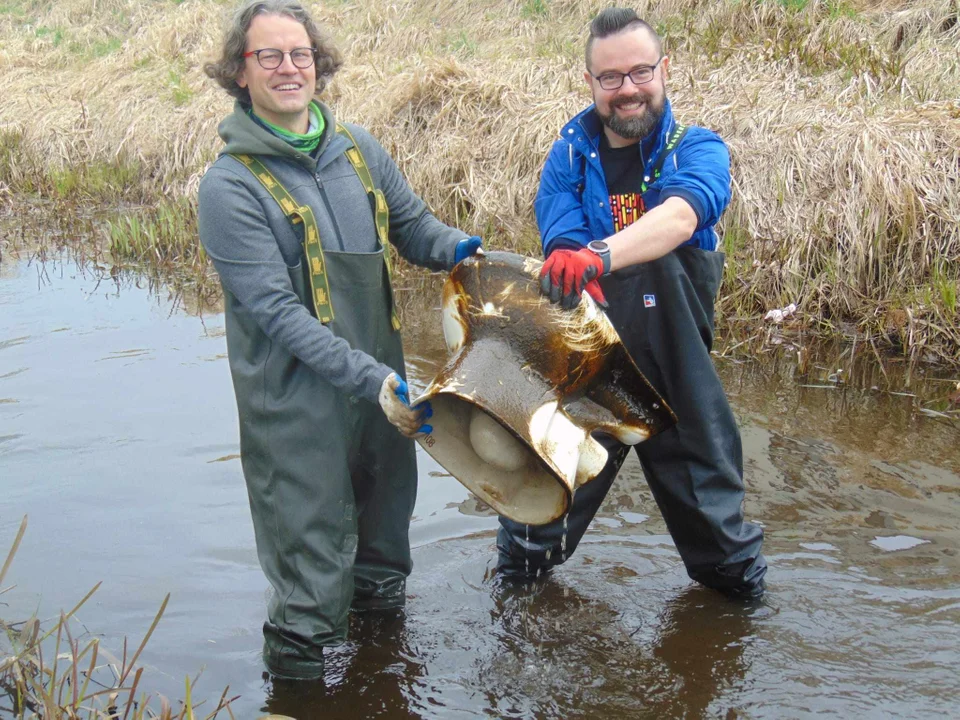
{"x": 331, "y": 483}
{"x": 663, "y": 311}
{"x": 675, "y": 137}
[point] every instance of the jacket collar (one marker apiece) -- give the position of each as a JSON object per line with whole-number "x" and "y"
{"x": 583, "y": 131}
{"x": 244, "y": 136}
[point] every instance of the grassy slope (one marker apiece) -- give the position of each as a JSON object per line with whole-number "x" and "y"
{"x": 842, "y": 117}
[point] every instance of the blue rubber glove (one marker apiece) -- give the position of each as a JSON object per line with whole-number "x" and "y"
{"x": 467, "y": 248}
{"x": 403, "y": 392}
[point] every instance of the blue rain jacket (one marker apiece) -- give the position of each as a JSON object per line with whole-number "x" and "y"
{"x": 573, "y": 207}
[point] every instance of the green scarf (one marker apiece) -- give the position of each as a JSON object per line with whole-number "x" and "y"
{"x": 305, "y": 143}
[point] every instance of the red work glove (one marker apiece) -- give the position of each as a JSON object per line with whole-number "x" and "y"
{"x": 567, "y": 273}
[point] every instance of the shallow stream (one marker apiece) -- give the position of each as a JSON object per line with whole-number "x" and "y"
{"x": 118, "y": 437}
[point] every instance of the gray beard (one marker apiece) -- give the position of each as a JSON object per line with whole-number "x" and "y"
{"x": 635, "y": 128}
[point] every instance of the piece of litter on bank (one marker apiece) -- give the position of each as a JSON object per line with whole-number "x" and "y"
{"x": 781, "y": 314}
{"x": 896, "y": 542}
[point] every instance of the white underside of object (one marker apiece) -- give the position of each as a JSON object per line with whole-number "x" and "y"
{"x": 494, "y": 444}
{"x": 593, "y": 456}
{"x": 557, "y": 438}
{"x": 630, "y": 435}
{"x": 453, "y": 331}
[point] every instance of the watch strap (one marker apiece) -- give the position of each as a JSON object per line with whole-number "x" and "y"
{"x": 604, "y": 256}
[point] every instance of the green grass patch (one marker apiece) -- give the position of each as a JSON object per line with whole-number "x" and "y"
{"x": 734, "y": 239}
{"x": 161, "y": 235}
{"x": 102, "y": 48}
{"x": 95, "y": 181}
{"x": 13, "y": 9}
{"x": 18, "y": 166}
{"x": 94, "y": 50}
{"x": 54, "y": 34}
{"x": 945, "y": 285}
{"x": 837, "y": 10}
{"x": 532, "y": 9}
{"x": 463, "y": 44}
{"x": 180, "y": 89}
{"x": 11, "y": 142}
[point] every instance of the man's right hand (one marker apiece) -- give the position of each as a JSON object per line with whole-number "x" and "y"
{"x": 395, "y": 401}
{"x": 566, "y": 274}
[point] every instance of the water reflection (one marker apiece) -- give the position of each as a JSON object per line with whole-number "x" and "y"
{"x": 702, "y": 639}
{"x": 372, "y": 676}
{"x": 562, "y": 651}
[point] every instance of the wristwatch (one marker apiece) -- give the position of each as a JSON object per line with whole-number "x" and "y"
{"x": 599, "y": 247}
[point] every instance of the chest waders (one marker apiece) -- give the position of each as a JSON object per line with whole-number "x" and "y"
{"x": 672, "y": 141}
{"x": 663, "y": 311}
{"x": 331, "y": 483}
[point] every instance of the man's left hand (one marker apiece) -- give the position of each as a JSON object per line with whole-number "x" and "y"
{"x": 566, "y": 274}
{"x": 395, "y": 402}
{"x": 467, "y": 248}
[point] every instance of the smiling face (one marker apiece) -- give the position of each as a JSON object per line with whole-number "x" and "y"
{"x": 630, "y": 112}
{"x": 279, "y": 96}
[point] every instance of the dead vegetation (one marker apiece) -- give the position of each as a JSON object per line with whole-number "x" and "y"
{"x": 48, "y": 673}
{"x": 842, "y": 116}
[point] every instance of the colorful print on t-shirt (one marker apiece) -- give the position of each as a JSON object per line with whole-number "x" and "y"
{"x": 626, "y": 208}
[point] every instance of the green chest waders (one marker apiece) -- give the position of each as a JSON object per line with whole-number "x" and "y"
{"x": 331, "y": 483}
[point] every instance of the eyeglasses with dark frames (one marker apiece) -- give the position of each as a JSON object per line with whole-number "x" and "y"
{"x": 613, "y": 80}
{"x": 272, "y": 58}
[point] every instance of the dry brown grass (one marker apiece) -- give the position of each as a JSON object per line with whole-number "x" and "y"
{"x": 843, "y": 119}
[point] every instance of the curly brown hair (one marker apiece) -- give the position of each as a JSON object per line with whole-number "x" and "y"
{"x": 227, "y": 68}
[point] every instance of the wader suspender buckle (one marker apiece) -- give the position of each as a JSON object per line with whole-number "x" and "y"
{"x": 675, "y": 137}
{"x": 381, "y": 213}
{"x": 298, "y": 214}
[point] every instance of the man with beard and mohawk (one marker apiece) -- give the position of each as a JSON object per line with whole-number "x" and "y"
{"x": 626, "y": 208}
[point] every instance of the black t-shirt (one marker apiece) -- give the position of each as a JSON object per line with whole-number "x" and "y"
{"x": 623, "y": 169}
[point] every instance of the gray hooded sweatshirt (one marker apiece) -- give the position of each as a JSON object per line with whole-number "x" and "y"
{"x": 254, "y": 247}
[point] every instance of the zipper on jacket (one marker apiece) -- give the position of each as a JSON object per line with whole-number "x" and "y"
{"x": 333, "y": 218}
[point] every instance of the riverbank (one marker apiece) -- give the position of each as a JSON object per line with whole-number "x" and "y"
{"x": 842, "y": 119}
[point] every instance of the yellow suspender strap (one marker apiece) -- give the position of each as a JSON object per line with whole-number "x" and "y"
{"x": 381, "y": 212}
{"x": 298, "y": 214}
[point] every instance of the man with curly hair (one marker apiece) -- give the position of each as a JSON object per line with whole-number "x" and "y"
{"x": 296, "y": 213}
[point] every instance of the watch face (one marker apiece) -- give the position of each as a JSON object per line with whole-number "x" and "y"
{"x": 598, "y": 246}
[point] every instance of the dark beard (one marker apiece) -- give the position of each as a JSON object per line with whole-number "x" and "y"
{"x": 635, "y": 128}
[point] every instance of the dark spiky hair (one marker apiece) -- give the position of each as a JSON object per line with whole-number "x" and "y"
{"x": 612, "y": 21}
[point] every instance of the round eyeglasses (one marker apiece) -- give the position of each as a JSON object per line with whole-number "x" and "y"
{"x": 613, "y": 80}
{"x": 271, "y": 58}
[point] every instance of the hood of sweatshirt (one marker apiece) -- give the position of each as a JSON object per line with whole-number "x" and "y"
{"x": 242, "y": 136}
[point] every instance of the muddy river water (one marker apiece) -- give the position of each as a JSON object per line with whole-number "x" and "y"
{"x": 118, "y": 438}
